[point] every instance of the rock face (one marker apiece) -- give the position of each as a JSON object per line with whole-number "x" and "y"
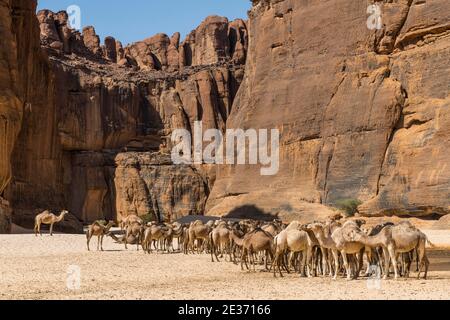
{"x": 150, "y": 184}
{"x": 93, "y": 104}
{"x": 24, "y": 79}
{"x": 362, "y": 114}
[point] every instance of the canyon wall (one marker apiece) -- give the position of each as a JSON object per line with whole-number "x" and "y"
{"x": 24, "y": 86}
{"x": 88, "y": 122}
{"x": 85, "y": 123}
{"x": 362, "y": 114}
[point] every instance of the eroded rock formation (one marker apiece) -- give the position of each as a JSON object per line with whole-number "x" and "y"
{"x": 96, "y": 103}
{"x": 362, "y": 114}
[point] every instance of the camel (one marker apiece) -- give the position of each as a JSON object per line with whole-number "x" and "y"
{"x": 178, "y": 232}
{"x": 100, "y": 230}
{"x": 220, "y": 240}
{"x": 295, "y": 241}
{"x": 326, "y": 241}
{"x": 136, "y": 230}
{"x": 380, "y": 236}
{"x": 237, "y": 241}
{"x": 254, "y": 242}
{"x": 154, "y": 233}
{"x": 48, "y": 218}
{"x": 273, "y": 228}
{"x": 342, "y": 238}
{"x": 407, "y": 238}
{"x": 129, "y": 220}
{"x": 200, "y": 232}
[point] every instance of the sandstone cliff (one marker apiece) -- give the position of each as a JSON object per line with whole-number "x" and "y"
{"x": 363, "y": 114}
{"x": 77, "y": 142}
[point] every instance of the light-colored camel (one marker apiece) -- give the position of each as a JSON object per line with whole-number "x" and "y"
{"x": 342, "y": 238}
{"x": 100, "y": 230}
{"x": 178, "y": 232}
{"x": 326, "y": 241}
{"x": 48, "y": 218}
{"x": 255, "y": 242}
{"x": 294, "y": 241}
{"x": 407, "y": 238}
{"x": 152, "y": 235}
{"x": 378, "y": 238}
{"x": 220, "y": 240}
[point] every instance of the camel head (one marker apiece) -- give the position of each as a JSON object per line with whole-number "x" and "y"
{"x": 64, "y": 212}
{"x": 315, "y": 227}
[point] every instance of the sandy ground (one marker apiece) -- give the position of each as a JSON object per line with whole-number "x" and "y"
{"x": 39, "y": 268}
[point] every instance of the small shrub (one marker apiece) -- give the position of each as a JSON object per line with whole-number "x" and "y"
{"x": 349, "y": 206}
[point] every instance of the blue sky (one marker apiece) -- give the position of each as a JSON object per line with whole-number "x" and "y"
{"x": 134, "y": 20}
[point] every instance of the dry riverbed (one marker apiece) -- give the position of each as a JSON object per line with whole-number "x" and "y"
{"x": 44, "y": 268}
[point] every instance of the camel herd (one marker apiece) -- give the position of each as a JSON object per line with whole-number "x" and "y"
{"x": 334, "y": 247}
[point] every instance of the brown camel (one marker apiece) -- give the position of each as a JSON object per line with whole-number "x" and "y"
{"x": 273, "y": 228}
{"x": 47, "y": 218}
{"x": 129, "y": 220}
{"x": 136, "y": 230}
{"x": 200, "y": 232}
{"x": 154, "y": 232}
{"x": 255, "y": 242}
{"x": 100, "y": 230}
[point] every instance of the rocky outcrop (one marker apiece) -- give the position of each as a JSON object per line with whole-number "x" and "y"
{"x": 215, "y": 40}
{"x": 148, "y": 184}
{"x": 362, "y": 114}
{"x": 94, "y": 102}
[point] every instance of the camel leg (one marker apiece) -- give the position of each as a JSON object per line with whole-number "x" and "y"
{"x": 308, "y": 262}
{"x": 325, "y": 261}
{"x": 101, "y": 242}
{"x": 88, "y": 240}
{"x": 346, "y": 265}
{"x": 35, "y": 228}
{"x": 393, "y": 258}
{"x": 51, "y": 229}
{"x": 302, "y": 264}
{"x": 360, "y": 261}
{"x": 39, "y": 229}
{"x": 336, "y": 263}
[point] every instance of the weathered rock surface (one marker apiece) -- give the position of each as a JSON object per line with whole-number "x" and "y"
{"x": 362, "y": 114}
{"x": 149, "y": 184}
{"x": 91, "y": 102}
{"x": 24, "y": 79}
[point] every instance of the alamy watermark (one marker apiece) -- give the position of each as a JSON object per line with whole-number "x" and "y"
{"x": 374, "y": 21}
{"x": 374, "y": 278}
{"x": 74, "y": 13}
{"x": 230, "y": 148}
{"x": 73, "y": 280}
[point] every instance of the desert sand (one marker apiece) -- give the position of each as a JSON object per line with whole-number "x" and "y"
{"x": 37, "y": 268}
